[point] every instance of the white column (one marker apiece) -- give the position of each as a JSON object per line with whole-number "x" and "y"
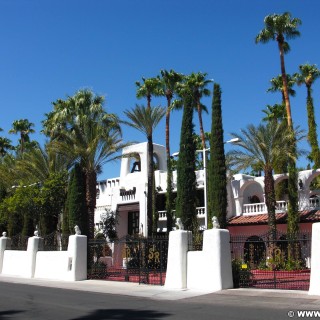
{"x": 33, "y": 246}
{"x": 314, "y": 288}
{"x": 77, "y": 258}
{"x": 210, "y": 269}
{"x": 3, "y": 246}
{"x": 176, "y": 277}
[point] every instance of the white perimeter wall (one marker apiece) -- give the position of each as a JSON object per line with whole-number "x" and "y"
{"x": 60, "y": 265}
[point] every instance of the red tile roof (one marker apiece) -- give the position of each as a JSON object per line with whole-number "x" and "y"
{"x": 305, "y": 216}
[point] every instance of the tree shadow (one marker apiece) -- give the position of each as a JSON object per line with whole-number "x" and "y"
{"x": 124, "y": 314}
{"x": 3, "y": 314}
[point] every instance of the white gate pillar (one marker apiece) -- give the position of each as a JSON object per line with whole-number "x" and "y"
{"x": 314, "y": 288}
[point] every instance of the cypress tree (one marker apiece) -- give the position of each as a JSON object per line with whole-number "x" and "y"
{"x": 186, "y": 180}
{"x": 217, "y": 177}
{"x": 169, "y": 197}
{"x": 76, "y": 201}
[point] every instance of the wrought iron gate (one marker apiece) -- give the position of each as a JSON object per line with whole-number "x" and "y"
{"x": 141, "y": 260}
{"x": 261, "y": 263}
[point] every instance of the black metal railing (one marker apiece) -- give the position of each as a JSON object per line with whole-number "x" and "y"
{"x": 258, "y": 261}
{"x": 135, "y": 259}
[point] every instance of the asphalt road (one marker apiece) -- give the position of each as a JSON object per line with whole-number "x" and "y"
{"x": 21, "y": 301}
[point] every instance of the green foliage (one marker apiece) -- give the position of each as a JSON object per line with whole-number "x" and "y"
{"x": 240, "y": 275}
{"x": 217, "y": 175}
{"x": 293, "y": 214}
{"x": 186, "y": 178}
{"x": 83, "y": 132}
{"x": 110, "y": 222}
{"x": 76, "y": 210}
{"x": 52, "y": 199}
{"x": 23, "y": 209}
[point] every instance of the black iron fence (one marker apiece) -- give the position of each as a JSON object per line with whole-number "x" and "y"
{"x": 258, "y": 261}
{"x": 55, "y": 241}
{"x": 142, "y": 260}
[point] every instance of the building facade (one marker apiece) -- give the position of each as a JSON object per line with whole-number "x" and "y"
{"x": 247, "y": 212}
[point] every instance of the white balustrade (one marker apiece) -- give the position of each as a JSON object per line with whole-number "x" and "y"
{"x": 200, "y": 212}
{"x": 252, "y": 208}
{"x": 314, "y": 202}
{"x": 255, "y": 208}
{"x": 163, "y": 213}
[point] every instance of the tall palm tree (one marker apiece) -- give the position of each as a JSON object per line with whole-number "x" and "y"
{"x": 145, "y": 119}
{"x": 24, "y": 127}
{"x": 308, "y": 74}
{"x": 261, "y": 147}
{"x": 196, "y": 85}
{"x": 86, "y": 134}
{"x": 170, "y": 81}
{"x": 280, "y": 27}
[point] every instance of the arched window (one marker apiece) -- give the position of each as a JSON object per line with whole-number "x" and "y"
{"x": 254, "y": 199}
{"x": 135, "y": 163}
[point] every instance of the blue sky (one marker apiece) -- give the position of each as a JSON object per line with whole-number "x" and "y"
{"x": 50, "y": 49}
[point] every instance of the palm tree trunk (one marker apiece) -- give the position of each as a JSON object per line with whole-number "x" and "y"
{"x": 91, "y": 190}
{"x": 285, "y": 85}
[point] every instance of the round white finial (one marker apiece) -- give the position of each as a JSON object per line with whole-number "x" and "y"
{"x": 4, "y": 234}
{"x": 215, "y": 223}
{"x": 77, "y": 230}
{"x": 36, "y": 233}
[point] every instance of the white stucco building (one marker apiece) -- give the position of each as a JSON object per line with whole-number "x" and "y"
{"x": 126, "y": 195}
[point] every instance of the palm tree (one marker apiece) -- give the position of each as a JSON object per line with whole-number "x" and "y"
{"x": 24, "y": 127}
{"x": 170, "y": 81}
{"x": 276, "y": 113}
{"x": 150, "y": 87}
{"x": 38, "y": 163}
{"x": 86, "y": 134}
{"x": 5, "y": 146}
{"x": 279, "y": 28}
{"x": 145, "y": 119}
{"x": 308, "y": 74}
{"x": 196, "y": 85}
{"x": 277, "y": 86}
{"x": 261, "y": 147}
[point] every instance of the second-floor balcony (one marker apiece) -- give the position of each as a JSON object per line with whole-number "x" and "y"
{"x": 254, "y": 208}
{"x": 281, "y": 206}
{"x": 163, "y": 213}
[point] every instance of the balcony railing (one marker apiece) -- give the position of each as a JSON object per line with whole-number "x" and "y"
{"x": 163, "y": 213}
{"x": 281, "y": 206}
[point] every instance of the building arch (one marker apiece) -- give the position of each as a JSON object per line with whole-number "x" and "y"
{"x": 254, "y": 251}
{"x": 251, "y": 188}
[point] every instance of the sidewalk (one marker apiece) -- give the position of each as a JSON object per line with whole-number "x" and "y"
{"x": 149, "y": 291}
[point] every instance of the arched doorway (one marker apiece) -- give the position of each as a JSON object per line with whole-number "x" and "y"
{"x": 254, "y": 251}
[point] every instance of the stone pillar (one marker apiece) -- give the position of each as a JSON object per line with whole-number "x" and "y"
{"x": 314, "y": 288}
{"x": 33, "y": 247}
{"x": 4, "y": 241}
{"x": 210, "y": 269}
{"x": 176, "y": 277}
{"x": 77, "y": 258}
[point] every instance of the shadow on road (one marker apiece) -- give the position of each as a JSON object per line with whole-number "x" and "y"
{"x": 4, "y": 314}
{"x": 124, "y": 314}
